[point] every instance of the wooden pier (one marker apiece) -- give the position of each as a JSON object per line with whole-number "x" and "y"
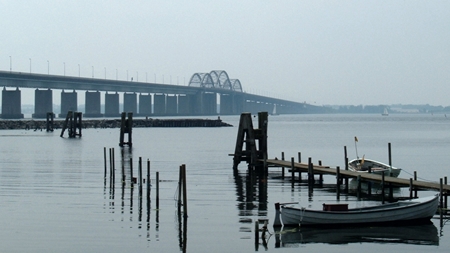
{"x": 327, "y": 170}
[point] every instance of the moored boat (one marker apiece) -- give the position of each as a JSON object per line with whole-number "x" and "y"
{"x": 405, "y": 211}
{"x": 363, "y": 165}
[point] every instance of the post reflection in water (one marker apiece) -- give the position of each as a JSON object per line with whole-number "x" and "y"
{"x": 126, "y": 167}
{"x": 127, "y": 171}
{"x": 426, "y": 234}
{"x": 251, "y": 187}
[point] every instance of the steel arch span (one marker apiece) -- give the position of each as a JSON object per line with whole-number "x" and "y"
{"x": 215, "y": 79}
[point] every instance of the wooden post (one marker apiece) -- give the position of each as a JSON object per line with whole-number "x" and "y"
{"x": 180, "y": 187}
{"x": 415, "y": 179}
{"x": 382, "y": 187}
{"x": 50, "y": 117}
{"x": 445, "y": 195}
{"x": 148, "y": 180}
{"x": 299, "y": 161}
{"x": 320, "y": 175}
{"x": 110, "y": 161}
{"x": 346, "y": 178}
{"x": 114, "y": 164}
{"x": 185, "y": 213}
{"x": 104, "y": 158}
{"x": 441, "y": 191}
{"x": 131, "y": 172}
{"x": 256, "y": 232}
{"x": 391, "y": 191}
{"x": 338, "y": 183}
{"x": 282, "y": 168}
{"x": 157, "y": 190}
{"x": 140, "y": 177}
{"x": 358, "y": 192}
{"x": 369, "y": 184}
{"x": 310, "y": 173}
{"x": 248, "y": 135}
{"x": 292, "y": 171}
{"x": 126, "y": 126}
{"x": 411, "y": 186}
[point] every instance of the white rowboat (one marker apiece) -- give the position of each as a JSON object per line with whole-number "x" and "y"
{"x": 363, "y": 165}
{"x": 406, "y": 211}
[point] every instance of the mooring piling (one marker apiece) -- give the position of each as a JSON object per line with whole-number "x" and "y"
{"x": 73, "y": 124}
{"x": 338, "y": 183}
{"x": 248, "y": 135}
{"x": 148, "y": 180}
{"x": 50, "y": 121}
{"x": 126, "y": 127}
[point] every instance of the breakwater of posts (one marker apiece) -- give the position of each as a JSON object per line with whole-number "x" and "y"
{"x": 114, "y": 123}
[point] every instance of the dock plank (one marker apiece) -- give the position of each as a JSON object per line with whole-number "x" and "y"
{"x": 320, "y": 169}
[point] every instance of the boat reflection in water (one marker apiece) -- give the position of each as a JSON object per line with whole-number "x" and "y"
{"x": 426, "y": 234}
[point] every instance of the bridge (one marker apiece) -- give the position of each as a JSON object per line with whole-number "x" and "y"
{"x": 212, "y": 93}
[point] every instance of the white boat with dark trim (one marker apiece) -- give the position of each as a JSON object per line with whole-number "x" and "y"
{"x": 405, "y": 211}
{"x": 363, "y": 165}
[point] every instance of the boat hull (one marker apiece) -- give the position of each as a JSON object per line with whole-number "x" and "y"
{"x": 399, "y": 212}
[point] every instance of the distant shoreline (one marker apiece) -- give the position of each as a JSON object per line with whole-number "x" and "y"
{"x": 113, "y": 123}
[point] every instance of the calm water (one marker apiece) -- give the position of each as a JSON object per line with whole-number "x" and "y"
{"x": 54, "y": 197}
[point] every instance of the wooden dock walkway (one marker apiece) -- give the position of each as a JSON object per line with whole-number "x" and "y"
{"x": 320, "y": 169}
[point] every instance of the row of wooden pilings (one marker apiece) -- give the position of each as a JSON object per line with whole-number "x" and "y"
{"x": 182, "y": 193}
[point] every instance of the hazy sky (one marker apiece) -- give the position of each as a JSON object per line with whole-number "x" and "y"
{"x": 321, "y": 52}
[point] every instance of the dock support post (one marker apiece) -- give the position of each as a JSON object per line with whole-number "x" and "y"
{"x": 320, "y": 175}
{"x": 369, "y": 184}
{"x": 73, "y": 124}
{"x": 338, "y": 183}
{"x": 292, "y": 172}
{"x": 382, "y": 187}
{"x": 415, "y": 179}
{"x": 411, "y": 187}
{"x": 310, "y": 172}
{"x": 445, "y": 195}
{"x": 299, "y": 161}
{"x": 131, "y": 172}
{"x": 391, "y": 191}
{"x": 358, "y": 192}
{"x": 282, "y": 168}
{"x": 346, "y": 178}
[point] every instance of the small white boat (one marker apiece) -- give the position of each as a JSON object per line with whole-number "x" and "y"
{"x": 401, "y": 212}
{"x": 363, "y": 165}
{"x": 385, "y": 112}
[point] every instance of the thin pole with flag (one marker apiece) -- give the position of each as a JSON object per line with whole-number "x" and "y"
{"x": 356, "y": 147}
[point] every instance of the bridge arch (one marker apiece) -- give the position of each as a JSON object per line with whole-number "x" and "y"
{"x": 215, "y": 79}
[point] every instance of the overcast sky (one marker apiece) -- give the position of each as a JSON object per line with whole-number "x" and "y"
{"x": 321, "y": 52}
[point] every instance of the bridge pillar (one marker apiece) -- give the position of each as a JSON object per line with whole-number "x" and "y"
{"x": 11, "y": 104}
{"x": 92, "y": 102}
{"x": 159, "y": 107}
{"x": 183, "y": 105}
{"x": 43, "y": 103}
{"x": 145, "y": 104}
{"x": 172, "y": 105}
{"x": 209, "y": 104}
{"x": 226, "y": 104}
{"x": 69, "y": 102}
{"x": 112, "y": 104}
{"x": 130, "y": 102}
{"x": 238, "y": 104}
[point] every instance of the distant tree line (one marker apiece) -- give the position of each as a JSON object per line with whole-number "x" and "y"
{"x": 395, "y": 108}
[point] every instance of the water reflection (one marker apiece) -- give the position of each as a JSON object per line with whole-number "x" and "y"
{"x": 251, "y": 192}
{"x": 418, "y": 235}
{"x": 128, "y": 185}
